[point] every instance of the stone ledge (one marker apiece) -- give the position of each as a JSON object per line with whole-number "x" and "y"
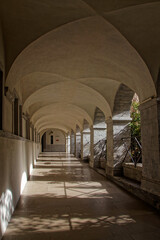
{"x": 9, "y": 135}
{"x": 134, "y": 188}
{"x": 132, "y": 172}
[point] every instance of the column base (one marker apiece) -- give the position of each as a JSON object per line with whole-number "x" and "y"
{"x": 91, "y": 164}
{"x": 111, "y": 171}
{"x": 151, "y": 186}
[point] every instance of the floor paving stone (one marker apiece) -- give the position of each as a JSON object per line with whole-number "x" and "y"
{"x": 65, "y": 199}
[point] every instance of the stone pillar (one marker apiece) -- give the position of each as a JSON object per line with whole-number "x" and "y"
{"x": 35, "y": 138}
{"x": 16, "y": 116}
{"x": 110, "y": 159}
{"x": 116, "y": 151}
{"x": 86, "y": 144}
{"x": 99, "y": 138}
{"x": 91, "y": 163}
{"x": 68, "y": 144}
{"x": 38, "y": 138}
{"x": 81, "y": 145}
{"x": 28, "y": 129}
{"x": 150, "y": 146}
{"x": 72, "y": 143}
{"x": 75, "y": 147}
{"x": 78, "y": 144}
{"x": 20, "y": 120}
{"x": 33, "y": 133}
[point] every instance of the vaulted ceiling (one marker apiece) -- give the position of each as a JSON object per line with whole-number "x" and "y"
{"x": 65, "y": 58}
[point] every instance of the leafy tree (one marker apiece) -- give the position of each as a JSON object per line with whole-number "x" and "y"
{"x": 135, "y": 130}
{"x": 136, "y": 120}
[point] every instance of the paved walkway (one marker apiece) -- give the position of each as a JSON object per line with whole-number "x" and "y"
{"x": 65, "y": 200}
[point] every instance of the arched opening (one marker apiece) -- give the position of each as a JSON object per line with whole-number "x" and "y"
{"x": 86, "y": 141}
{"x": 78, "y": 142}
{"x": 118, "y": 131}
{"x": 100, "y": 134}
{"x": 53, "y": 140}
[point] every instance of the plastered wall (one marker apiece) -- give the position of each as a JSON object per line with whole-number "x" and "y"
{"x": 58, "y": 141}
{"x": 17, "y": 158}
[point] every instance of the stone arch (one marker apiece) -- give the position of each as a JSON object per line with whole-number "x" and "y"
{"x": 122, "y": 102}
{"x": 99, "y": 118}
{"x": 118, "y": 130}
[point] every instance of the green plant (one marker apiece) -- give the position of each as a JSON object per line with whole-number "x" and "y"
{"x": 135, "y": 130}
{"x": 136, "y": 120}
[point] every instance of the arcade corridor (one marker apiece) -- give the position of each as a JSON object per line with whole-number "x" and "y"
{"x": 65, "y": 199}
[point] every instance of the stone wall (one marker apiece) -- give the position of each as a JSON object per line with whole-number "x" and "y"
{"x": 132, "y": 172}
{"x": 150, "y": 146}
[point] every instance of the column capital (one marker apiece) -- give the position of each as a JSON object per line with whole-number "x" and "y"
{"x": 109, "y": 120}
{"x": 91, "y": 128}
{"x": 148, "y": 103}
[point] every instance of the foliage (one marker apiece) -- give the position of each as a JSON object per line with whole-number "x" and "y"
{"x": 135, "y": 130}
{"x": 136, "y": 120}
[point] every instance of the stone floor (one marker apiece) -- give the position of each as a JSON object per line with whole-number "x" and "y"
{"x": 65, "y": 199}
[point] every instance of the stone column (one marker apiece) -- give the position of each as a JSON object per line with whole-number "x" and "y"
{"x": 99, "y": 138}
{"x": 75, "y": 147}
{"x": 78, "y": 144}
{"x": 86, "y": 144}
{"x": 72, "y": 143}
{"x": 68, "y": 144}
{"x": 20, "y": 120}
{"x": 16, "y": 116}
{"x": 110, "y": 159}
{"x": 33, "y": 133}
{"x": 150, "y": 146}
{"x": 28, "y": 129}
{"x": 38, "y": 138}
{"x": 116, "y": 151}
{"x": 91, "y": 163}
{"x": 81, "y": 145}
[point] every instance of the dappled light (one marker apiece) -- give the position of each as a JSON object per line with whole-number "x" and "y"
{"x": 66, "y": 199}
{"x": 64, "y": 222}
{"x": 6, "y": 210}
